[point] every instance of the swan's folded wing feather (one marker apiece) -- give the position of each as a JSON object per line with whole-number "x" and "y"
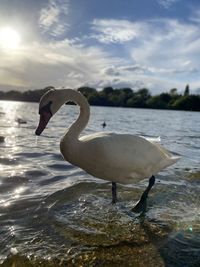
{"x": 110, "y": 155}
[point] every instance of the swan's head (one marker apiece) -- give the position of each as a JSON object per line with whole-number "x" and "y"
{"x": 49, "y": 105}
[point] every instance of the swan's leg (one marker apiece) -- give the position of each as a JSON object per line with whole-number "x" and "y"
{"x": 114, "y": 192}
{"x": 142, "y": 203}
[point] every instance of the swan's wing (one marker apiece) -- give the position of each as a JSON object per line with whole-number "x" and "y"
{"x": 121, "y": 155}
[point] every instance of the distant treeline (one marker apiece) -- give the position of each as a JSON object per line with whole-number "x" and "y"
{"x": 124, "y": 97}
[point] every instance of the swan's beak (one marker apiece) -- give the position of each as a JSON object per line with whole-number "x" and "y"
{"x": 44, "y": 119}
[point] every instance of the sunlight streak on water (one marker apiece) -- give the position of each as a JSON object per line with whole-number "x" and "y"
{"x": 36, "y": 140}
{"x": 18, "y": 191}
{"x": 6, "y": 203}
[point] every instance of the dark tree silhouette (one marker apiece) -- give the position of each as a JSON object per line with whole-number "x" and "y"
{"x": 123, "y": 97}
{"x": 187, "y": 90}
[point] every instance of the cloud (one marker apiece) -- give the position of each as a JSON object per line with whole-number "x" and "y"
{"x": 58, "y": 63}
{"x": 114, "y": 31}
{"x": 157, "y": 53}
{"x": 126, "y": 69}
{"x": 159, "y": 45}
{"x": 167, "y": 3}
{"x": 117, "y": 83}
{"x": 195, "y": 16}
{"x": 160, "y": 52}
{"x": 167, "y": 45}
{"x": 51, "y": 17}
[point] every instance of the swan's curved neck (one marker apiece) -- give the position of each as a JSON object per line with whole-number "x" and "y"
{"x": 78, "y": 126}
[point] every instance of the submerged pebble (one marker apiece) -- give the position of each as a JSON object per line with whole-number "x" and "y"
{"x": 13, "y": 251}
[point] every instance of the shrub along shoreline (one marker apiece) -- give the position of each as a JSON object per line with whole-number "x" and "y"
{"x": 123, "y": 97}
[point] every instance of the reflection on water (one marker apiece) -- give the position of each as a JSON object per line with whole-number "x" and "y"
{"x": 54, "y": 214}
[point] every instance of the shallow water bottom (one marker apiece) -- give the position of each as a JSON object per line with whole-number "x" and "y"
{"x": 89, "y": 231}
{"x": 148, "y": 244}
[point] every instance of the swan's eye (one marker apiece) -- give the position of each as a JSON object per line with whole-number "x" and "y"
{"x": 46, "y": 108}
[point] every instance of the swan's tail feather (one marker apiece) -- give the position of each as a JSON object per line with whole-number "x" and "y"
{"x": 169, "y": 154}
{"x": 170, "y": 157}
{"x": 153, "y": 139}
{"x": 169, "y": 160}
{"x": 174, "y": 159}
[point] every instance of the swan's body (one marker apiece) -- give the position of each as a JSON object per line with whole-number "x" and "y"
{"x": 122, "y": 158}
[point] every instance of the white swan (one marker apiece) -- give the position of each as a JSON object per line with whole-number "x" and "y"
{"x": 119, "y": 158}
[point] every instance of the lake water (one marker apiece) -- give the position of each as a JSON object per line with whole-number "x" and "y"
{"x": 55, "y": 214}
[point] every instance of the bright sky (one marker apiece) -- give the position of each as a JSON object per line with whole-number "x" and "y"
{"x": 98, "y": 43}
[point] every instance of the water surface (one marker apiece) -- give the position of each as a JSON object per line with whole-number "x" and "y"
{"x": 55, "y": 214}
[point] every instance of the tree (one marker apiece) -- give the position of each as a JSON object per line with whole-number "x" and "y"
{"x": 158, "y": 101}
{"x": 165, "y": 97}
{"x": 191, "y": 102}
{"x": 86, "y": 91}
{"x": 108, "y": 90}
{"x": 173, "y": 92}
{"x": 187, "y": 90}
{"x": 144, "y": 94}
{"x": 123, "y": 97}
{"x": 140, "y": 98}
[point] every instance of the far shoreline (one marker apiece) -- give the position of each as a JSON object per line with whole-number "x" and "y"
{"x": 123, "y": 97}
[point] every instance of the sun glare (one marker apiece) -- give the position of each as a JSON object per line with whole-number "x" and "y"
{"x": 9, "y": 38}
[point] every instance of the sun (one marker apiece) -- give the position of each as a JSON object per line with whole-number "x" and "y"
{"x": 9, "y": 38}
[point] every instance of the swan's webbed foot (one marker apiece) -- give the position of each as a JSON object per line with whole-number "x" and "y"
{"x": 141, "y": 206}
{"x": 114, "y": 192}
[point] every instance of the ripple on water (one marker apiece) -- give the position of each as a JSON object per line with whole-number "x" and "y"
{"x": 30, "y": 154}
{"x": 12, "y": 182}
{"x": 8, "y": 160}
{"x": 35, "y": 173}
{"x": 55, "y": 179}
{"x": 182, "y": 249}
{"x": 61, "y": 166}
{"x": 57, "y": 156}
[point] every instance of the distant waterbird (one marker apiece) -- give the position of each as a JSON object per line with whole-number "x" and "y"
{"x": 119, "y": 158}
{"x": 103, "y": 124}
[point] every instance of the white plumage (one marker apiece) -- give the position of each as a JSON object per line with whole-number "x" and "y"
{"x": 121, "y": 158}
